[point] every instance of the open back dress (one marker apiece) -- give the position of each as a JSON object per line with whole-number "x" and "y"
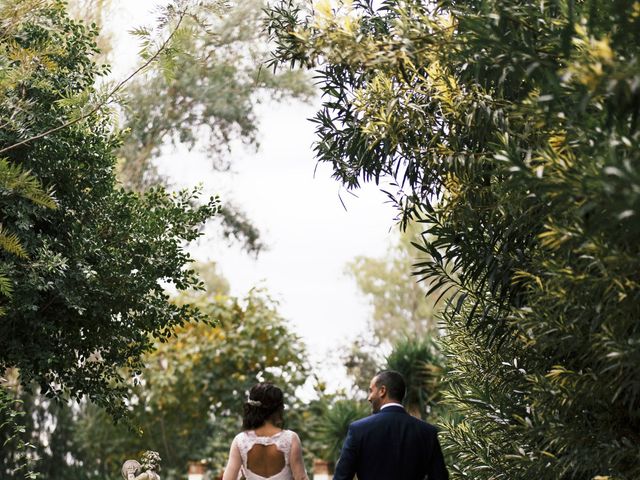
{"x": 276, "y": 457}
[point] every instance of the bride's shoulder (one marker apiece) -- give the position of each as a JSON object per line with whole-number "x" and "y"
{"x": 240, "y": 436}
{"x": 291, "y": 434}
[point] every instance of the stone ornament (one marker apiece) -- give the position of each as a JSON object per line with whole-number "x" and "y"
{"x": 147, "y": 470}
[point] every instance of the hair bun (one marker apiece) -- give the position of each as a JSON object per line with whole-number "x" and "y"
{"x": 263, "y": 401}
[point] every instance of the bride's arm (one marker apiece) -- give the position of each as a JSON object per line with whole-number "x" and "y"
{"x": 233, "y": 465}
{"x": 295, "y": 460}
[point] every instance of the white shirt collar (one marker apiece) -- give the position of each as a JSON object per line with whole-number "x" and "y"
{"x": 390, "y": 405}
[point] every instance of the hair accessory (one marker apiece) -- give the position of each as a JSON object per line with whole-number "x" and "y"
{"x": 254, "y": 403}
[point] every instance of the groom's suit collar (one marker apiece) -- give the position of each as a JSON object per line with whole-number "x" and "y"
{"x": 392, "y": 408}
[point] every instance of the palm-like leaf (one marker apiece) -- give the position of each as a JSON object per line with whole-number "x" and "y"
{"x": 420, "y": 363}
{"x": 334, "y": 424}
{"x": 9, "y": 242}
{"x": 16, "y": 180}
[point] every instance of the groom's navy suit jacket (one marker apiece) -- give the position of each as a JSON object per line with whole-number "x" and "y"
{"x": 391, "y": 445}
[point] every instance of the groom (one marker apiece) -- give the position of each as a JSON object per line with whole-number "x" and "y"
{"x": 390, "y": 444}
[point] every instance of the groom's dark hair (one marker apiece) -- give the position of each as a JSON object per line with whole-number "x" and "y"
{"x": 394, "y": 382}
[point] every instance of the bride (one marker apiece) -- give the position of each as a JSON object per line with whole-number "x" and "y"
{"x": 264, "y": 450}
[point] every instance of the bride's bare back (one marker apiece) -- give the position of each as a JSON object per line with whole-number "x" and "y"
{"x": 265, "y": 460}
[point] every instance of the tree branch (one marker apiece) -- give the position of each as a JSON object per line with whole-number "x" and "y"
{"x": 117, "y": 88}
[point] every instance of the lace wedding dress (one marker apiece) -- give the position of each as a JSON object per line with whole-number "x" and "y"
{"x": 284, "y": 449}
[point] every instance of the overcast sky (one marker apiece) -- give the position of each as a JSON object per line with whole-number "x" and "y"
{"x": 309, "y": 234}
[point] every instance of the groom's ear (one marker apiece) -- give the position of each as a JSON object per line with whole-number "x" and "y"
{"x": 383, "y": 390}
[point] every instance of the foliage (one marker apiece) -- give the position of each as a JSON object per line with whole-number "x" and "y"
{"x": 207, "y": 88}
{"x": 89, "y": 294}
{"x": 420, "y": 363}
{"x": 85, "y": 266}
{"x": 17, "y": 183}
{"x": 363, "y": 358}
{"x": 95, "y": 12}
{"x": 332, "y": 423}
{"x": 401, "y": 307}
{"x": 16, "y": 459}
{"x": 511, "y": 130}
{"x": 400, "y": 304}
{"x": 187, "y": 403}
{"x": 204, "y": 94}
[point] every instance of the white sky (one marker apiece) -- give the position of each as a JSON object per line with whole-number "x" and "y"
{"x": 309, "y": 234}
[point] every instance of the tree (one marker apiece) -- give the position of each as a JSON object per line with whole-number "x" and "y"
{"x": 214, "y": 83}
{"x": 88, "y": 295}
{"x": 401, "y": 308}
{"x": 15, "y": 182}
{"x": 16, "y": 458}
{"x": 18, "y": 183}
{"x": 331, "y": 424}
{"x": 512, "y": 130}
{"x": 205, "y": 96}
{"x": 400, "y": 303}
{"x": 94, "y": 12}
{"x": 187, "y": 402}
{"x": 362, "y": 359}
{"x": 421, "y": 364}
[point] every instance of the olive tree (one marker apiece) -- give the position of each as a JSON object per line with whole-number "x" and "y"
{"x": 511, "y": 130}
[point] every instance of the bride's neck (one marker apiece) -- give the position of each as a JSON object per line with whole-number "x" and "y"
{"x": 267, "y": 428}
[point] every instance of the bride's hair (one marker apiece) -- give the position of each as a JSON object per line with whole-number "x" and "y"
{"x": 265, "y": 400}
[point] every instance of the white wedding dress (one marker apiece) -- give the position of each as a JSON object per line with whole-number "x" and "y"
{"x": 286, "y": 442}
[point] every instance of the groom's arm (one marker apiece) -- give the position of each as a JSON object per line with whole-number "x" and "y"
{"x": 346, "y": 468}
{"x": 437, "y": 468}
